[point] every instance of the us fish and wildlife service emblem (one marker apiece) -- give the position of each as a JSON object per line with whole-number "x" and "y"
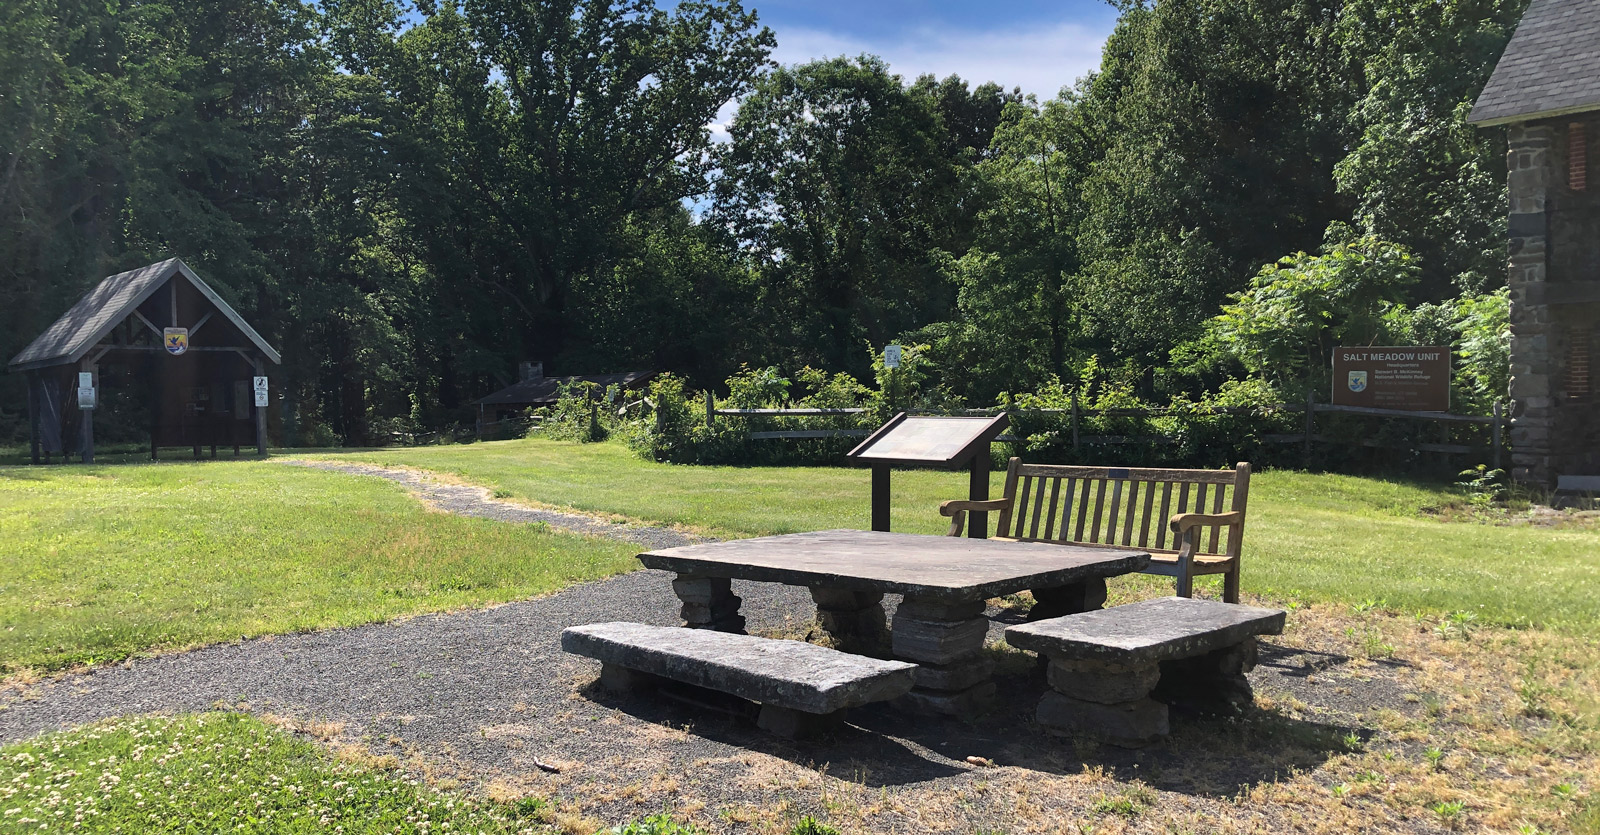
{"x": 1358, "y": 381}
{"x": 176, "y": 340}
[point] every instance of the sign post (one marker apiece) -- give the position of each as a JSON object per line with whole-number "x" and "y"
{"x": 261, "y": 406}
{"x": 86, "y": 404}
{"x": 1408, "y": 378}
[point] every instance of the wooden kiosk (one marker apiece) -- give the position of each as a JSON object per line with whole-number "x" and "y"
{"x": 949, "y": 443}
{"x": 203, "y": 368}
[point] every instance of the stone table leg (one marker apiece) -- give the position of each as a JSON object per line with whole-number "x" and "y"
{"x": 855, "y": 619}
{"x": 1103, "y": 699}
{"x": 945, "y": 640}
{"x": 709, "y": 603}
{"x": 1068, "y": 600}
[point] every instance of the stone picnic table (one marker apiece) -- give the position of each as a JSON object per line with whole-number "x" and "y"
{"x": 945, "y": 582}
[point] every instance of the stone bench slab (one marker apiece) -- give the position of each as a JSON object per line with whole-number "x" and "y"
{"x": 787, "y": 674}
{"x": 1147, "y": 632}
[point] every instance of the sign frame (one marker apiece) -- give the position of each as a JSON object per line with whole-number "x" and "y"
{"x": 1409, "y": 378}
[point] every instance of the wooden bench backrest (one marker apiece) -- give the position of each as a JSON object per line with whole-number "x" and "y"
{"x": 1121, "y": 506}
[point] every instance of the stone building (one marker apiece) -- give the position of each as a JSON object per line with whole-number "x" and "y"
{"x": 1545, "y": 91}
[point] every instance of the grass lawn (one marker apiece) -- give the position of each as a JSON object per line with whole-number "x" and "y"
{"x": 1311, "y": 536}
{"x": 225, "y": 772}
{"x": 101, "y": 562}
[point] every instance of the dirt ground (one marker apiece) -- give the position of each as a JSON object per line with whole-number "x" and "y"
{"x": 1364, "y": 721}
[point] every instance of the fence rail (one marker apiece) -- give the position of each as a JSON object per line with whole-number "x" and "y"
{"x": 1309, "y": 436}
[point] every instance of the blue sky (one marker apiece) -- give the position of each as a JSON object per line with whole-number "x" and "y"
{"x": 1038, "y": 46}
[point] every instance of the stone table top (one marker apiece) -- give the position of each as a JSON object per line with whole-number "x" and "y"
{"x": 1148, "y": 631}
{"x": 942, "y": 568}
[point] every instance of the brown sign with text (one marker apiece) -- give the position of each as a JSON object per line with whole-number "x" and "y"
{"x": 1414, "y": 378}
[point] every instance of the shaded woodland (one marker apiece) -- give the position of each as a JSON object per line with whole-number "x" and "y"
{"x": 408, "y": 200}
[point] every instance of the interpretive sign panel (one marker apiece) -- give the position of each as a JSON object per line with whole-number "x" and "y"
{"x": 930, "y": 440}
{"x": 1412, "y": 378}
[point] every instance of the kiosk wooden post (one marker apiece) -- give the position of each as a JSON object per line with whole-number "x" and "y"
{"x": 950, "y": 443}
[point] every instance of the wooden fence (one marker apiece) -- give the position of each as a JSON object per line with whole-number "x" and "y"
{"x": 1307, "y": 437}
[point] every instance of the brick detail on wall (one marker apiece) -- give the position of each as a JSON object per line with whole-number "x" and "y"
{"x": 1578, "y": 385}
{"x": 1577, "y": 157}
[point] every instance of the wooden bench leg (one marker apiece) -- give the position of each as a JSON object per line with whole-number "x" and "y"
{"x": 797, "y": 724}
{"x": 855, "y": 619}
{"x": 1105, "y": 700}
{"x": 1185, "y": 586}
{"x": 1230, "y": 584}
{"x": 945, "y": 640}
{"x": 709, "y": 603}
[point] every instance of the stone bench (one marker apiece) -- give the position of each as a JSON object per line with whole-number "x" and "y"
{"x": 1114, "y": 672}
{"x": 802, "y": 688}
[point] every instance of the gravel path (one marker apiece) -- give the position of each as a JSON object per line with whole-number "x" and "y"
{"x": 487, "y": 697}
{"x": 472, "y": 500}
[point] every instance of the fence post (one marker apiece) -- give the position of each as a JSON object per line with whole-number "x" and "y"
{"x": 1311, "y": 419}
{"x": 711, "y": 411}
{"x": 1494, "y": 429}
{"x": 1074, "y": 421}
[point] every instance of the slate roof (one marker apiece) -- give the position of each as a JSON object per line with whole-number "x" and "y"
{"x": 541, "y": 391}
{"x": 1550, "y": 68}
{"x": 112, "y": 300}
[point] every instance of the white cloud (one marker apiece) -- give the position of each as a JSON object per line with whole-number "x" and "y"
{"x": 1040, "y": 60}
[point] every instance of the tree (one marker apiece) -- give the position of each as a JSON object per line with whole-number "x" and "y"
{"x": 1222, "y": 121}
{"x": 1421, "y": 175}
{"x": 530, "y": 133}
{"x": 841, "y": 184}
{"x": 1017, "y": 319}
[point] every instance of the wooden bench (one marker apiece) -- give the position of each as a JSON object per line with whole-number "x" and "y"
{"x": 801, "y": 688}
{"x": 1114, "y": 672}
{"x": 1127, "y": 507}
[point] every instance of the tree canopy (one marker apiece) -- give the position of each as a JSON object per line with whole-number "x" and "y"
{"x": 412, "y": 199}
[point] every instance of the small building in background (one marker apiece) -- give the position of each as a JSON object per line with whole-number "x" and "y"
{"x": 534, "y": 389}
{"x": 1545, "y": 91}
{"x": 193, "y": 364}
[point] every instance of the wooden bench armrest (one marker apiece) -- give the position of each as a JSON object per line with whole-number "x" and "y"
{"x": 957, "y": 509}
{"x": 950, "y": 508}
{"x": 1187, "y": 521}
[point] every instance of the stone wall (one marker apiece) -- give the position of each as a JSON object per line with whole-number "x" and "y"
{"x": 1554, "y": 278}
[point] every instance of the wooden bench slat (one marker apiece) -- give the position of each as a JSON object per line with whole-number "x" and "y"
{"x": 1099, "y": 507}
{"x": 1149, "y": 502}
{"x": 1216, "y": 507}
{"x": 1038, "y": 506}
{"x": 1129, "y": 473}
{"x": 1127, "y": 523}
{"x": 1055, "y": 495}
